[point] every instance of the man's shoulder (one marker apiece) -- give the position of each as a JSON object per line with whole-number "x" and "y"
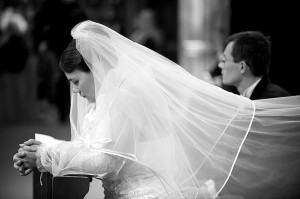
{"x": 266, "y": 89}
{"x": 273, "y": 90}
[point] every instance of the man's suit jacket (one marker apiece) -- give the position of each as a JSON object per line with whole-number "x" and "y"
{"x": 266, "y": 89}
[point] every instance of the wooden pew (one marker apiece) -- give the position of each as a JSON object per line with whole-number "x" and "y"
{"x": 60, "y": 187}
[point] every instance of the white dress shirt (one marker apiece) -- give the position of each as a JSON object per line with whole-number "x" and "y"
{"x": 247, "y": 93}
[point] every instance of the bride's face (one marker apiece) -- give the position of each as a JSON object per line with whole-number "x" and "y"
{"x": 83, "y": 83}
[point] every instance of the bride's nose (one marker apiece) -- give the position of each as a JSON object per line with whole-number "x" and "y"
{"x": 76, "y": 90}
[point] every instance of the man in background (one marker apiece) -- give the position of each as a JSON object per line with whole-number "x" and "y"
{"x": 245, "y": 65}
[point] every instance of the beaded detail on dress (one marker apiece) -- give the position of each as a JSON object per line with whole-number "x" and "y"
{"x": 123, "y": 190}
{"x": 112, "y": 189}
{"x": 143, "y": 193}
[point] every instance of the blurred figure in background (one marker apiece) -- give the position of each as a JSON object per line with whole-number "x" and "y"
{"x": 103, "y": 12}
{"x": 245, "y": 65}
{"x": 51, "y": 33}
{"x": 13, "y": 55}
{"x": 146, "y": 32}
{"x": 13, "y": 26}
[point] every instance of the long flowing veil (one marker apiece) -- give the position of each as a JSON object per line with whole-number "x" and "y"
{"x": 189, "y": 133}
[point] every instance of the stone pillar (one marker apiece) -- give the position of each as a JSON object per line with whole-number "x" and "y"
{"x": 203, "y": 27}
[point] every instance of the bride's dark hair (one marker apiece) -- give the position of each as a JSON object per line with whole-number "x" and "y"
{"x": 72, "y": 60}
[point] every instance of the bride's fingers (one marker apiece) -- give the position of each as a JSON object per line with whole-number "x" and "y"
{"x": 27, "y": 171}
{"x": 21, "y": 170}
{"x": 32, "y": 148}
{"x": 18, "y": 156}
{"x": 16, "y": 167}
{"x": 18, "y": 164}
{"x": 32, "y": 142}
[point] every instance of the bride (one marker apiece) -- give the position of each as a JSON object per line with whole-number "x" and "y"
{"x": 149, "y": 129}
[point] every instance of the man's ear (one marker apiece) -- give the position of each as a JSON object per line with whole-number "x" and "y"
{"x": 243, "y": 67}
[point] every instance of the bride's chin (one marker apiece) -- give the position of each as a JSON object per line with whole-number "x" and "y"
{"x": 91, "y": 100}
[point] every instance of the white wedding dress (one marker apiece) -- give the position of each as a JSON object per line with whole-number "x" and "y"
{"x": 156, "y": 131}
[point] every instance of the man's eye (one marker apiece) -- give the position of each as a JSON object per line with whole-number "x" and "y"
{"x": 75, "y": 82}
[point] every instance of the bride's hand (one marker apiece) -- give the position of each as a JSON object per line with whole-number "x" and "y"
{"x": 17, "y": 158}
{"x": 18, "y": 163}
{"x": 25, "y": 162}
{"x": 32, "y": 142}
{"x": 25, "y": 159}
{"x": 31, "y": 145}
{"x": 29, "y": 161}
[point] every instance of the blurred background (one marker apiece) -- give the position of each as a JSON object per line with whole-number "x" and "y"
{"x": 34, "y": 95}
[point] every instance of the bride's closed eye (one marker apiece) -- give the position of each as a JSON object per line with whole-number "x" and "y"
{"x": 75, "y": 82}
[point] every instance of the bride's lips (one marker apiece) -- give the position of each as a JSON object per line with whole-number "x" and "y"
{"x": 83, "y": 96}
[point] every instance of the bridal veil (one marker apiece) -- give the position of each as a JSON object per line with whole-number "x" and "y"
{"x": 190, "y": 134}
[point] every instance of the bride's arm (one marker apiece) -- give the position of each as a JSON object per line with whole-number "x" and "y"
{"x": 76, "y": 158}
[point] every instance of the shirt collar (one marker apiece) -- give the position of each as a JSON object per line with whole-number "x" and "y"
{"x": 247, "y": 93}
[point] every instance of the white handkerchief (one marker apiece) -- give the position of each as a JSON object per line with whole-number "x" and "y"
{"x": 46, "y": 139}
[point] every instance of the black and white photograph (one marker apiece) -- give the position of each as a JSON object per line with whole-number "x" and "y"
{"x": 149, "y": 99}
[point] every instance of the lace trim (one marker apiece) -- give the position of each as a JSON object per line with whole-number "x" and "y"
{"x": 115, "y": 190}
{"x": 143, "y": 193}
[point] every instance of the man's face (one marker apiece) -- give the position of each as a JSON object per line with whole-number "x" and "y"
{"x": 231, "y": 71}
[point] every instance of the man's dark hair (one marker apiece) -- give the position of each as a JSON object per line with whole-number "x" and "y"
{"x": 254, "y": 48}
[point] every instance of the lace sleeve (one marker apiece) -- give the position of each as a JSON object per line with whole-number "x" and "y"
{"x": 76, "y": 158}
